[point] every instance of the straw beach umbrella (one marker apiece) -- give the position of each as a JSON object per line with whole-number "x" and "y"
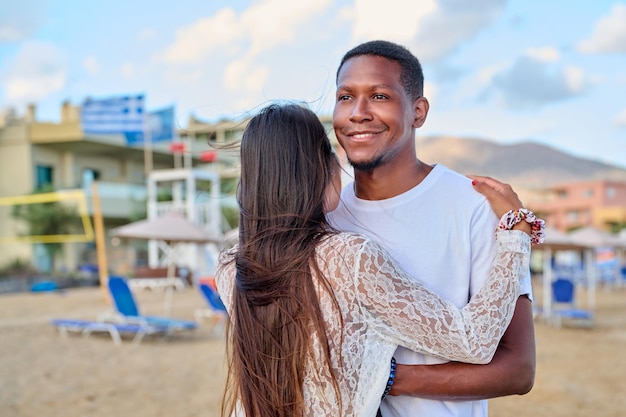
{"x": 173, "y": 228}
{"x": 595, "y": 237}
{"x": 599, "y": 239}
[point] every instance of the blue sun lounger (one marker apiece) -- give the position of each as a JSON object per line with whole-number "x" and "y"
{"x": 115, "y": 330}
{"x": 128, "y": 310}
{"x": 215, "y": 310}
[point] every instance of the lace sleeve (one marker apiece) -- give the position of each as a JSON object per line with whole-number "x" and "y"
{"x": 410, "y": 315}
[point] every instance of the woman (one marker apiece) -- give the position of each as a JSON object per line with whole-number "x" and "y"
{"x": 316, "y": 315}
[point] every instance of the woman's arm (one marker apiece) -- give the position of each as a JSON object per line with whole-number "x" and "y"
{"x": 510, "y": 372}
{"x": 418, "y": 319}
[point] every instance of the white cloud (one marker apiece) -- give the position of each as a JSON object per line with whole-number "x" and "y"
{"x": 127, "y": 70}
{"x": 490, "y": 122}
{"x": 486, "y": 74}
{"x": 431, "y": 92}
{"x": 546, "y": 54}
{"x": 345, "y": 15}
{"x": 236, "y": 55}
{"x": 20, "y": 19}
{"x": 431, "y": 28}
{"x": 91, "y": 65}
{"x": 271, "y": 23}
{"x": 536, "y": 80}
{"x": 371, "y": 21}
{"x": 195, "y": 42}
{"x": 38, "y": 70}
{"x": 240, "y": 76}
{"x": 620, "y": 120}
{"x": 264, "y": 26}
{"x": 185, "y": 79}
{"x": 609, "y": 35}
{"x": 10, "y": 32}
{"x": 575, "y": 79}
{"x": 451, "y": 24}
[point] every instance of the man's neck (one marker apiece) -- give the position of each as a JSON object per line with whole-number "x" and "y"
{"x": 389, "y": 181}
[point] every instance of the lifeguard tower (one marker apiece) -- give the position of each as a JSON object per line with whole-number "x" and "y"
{"x": 196, "y": 194}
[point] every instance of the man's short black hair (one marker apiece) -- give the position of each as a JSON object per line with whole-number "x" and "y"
{"x": 411, "y": 75}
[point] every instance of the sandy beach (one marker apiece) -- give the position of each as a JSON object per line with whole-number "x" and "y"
{"x": 580, "y": 372}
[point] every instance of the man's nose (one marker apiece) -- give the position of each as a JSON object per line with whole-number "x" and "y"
{"x": 360, "y": 111}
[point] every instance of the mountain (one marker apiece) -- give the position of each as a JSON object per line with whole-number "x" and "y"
{"x": 524, "y": 164}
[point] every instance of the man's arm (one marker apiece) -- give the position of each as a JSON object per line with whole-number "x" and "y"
{"x": 511, "y": 371}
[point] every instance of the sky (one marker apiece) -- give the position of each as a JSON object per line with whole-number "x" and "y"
{"x": 552, "y": 72}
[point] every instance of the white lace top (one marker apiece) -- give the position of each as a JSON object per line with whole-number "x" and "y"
{"x": 382, "y": 308}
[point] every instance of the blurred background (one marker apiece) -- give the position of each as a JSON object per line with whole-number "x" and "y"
{"x": 116, "y": 112}
{"x": 529, "y": 92}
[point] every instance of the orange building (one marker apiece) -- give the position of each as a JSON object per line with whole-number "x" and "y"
{"x": 600, "y": 203}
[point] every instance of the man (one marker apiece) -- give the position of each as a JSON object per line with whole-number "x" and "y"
{"x": 433, "y": 223}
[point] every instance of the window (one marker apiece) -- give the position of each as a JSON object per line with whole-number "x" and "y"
{"x": 43, "y": 176}
{"x": 610, "y": 192}
{"x": 89, "y": 176}
{"x": 572, "y": 216}
{"x": 588, "y": 193}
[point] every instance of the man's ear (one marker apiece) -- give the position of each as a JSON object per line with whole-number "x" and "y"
{"x": 420, "y": 108}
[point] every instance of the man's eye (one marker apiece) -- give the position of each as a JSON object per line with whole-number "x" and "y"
{"x": 379, "y": 96}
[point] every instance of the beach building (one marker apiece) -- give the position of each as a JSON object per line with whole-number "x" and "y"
{"x": 599, "y": 203}
{"x": 34, "y": 154}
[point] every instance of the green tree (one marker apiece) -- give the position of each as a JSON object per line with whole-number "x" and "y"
{"x": 617, "y": 227}
{"x": 43, "y": 219}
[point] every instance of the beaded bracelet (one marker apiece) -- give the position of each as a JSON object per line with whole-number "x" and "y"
{"x": 537, "y": 225}
{"x": 392, "y": 376}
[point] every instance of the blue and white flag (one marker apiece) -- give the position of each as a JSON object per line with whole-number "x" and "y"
{"x": 124, "y": 114}
{"x": 160, "y": 127}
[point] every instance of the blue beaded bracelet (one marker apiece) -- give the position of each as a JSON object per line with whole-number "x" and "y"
{"x": 392, "y": 376}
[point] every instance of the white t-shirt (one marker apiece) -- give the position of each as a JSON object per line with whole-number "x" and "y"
{"x": 440, "y": 232}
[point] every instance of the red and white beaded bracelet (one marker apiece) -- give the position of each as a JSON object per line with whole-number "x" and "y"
{"x": 537, "y": 225}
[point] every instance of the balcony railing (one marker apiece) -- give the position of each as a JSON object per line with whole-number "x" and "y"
{"x": 123, "y": 200}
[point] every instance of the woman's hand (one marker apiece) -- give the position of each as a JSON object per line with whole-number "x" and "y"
{"x": 501, "y": 197}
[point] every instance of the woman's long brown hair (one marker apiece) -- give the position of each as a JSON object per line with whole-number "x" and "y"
{"x": 286, "y": 165}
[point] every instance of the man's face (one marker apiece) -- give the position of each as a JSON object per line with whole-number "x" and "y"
{"x": 374, "y": 118}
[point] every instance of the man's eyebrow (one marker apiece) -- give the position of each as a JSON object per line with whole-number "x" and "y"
{"x": 373, "y": 87}
{"x": 382, "y": 87}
